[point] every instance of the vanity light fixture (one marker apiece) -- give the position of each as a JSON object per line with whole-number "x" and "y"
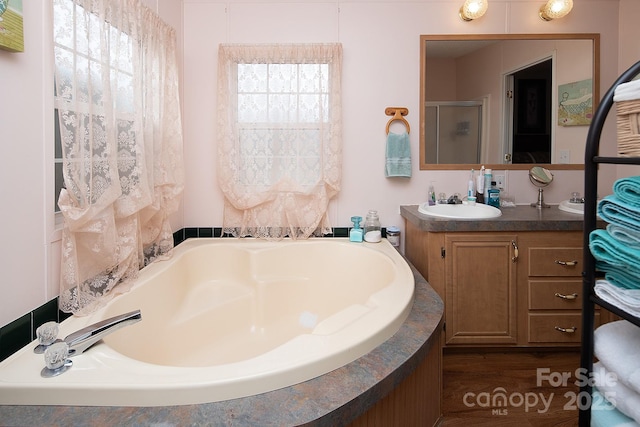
{"x": 555, "y": 9}
{"x": 473, "y": 9}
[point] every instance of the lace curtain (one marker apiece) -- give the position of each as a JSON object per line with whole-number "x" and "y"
{"x": 280, "y": 138}
{"x": 116, "y": 84}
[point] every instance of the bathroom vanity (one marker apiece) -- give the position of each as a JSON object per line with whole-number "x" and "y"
{"x": 511, "y": 281}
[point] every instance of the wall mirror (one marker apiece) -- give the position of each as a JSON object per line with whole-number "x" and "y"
{"x": 507, "y": 100}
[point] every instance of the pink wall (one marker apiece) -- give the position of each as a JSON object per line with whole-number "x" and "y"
{"x": 381, "y": 69}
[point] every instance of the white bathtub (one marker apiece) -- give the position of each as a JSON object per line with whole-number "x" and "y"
{"x": 228, "y": 318}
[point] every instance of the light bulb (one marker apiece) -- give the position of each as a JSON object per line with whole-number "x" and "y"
{"x": 555, "y": 9}
{"x": 473, "y": 9}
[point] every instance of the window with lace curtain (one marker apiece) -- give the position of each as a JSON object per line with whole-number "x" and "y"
{"x": 89, "y": 59}
{"x": 119, "y": 141}
{"x": 279, "y": 145}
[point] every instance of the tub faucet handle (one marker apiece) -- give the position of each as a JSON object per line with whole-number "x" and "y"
{"x": 56, "y": 360}
{"x": 47, "y": 334}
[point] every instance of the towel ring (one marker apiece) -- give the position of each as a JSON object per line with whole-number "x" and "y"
{"x": 398, "y": 114}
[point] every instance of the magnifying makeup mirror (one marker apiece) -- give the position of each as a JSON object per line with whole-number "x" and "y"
{"x": 540, "y": 177}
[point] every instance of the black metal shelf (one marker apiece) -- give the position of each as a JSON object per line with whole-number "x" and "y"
{"x": 615, "y": 310}
{"x": 592, "y": 160}
{"x": 617, "y": 160}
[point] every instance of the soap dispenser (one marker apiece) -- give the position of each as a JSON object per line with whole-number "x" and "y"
{"x": 355, "y": 234}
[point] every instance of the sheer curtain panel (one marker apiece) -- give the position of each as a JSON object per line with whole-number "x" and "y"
{"x": 280, "y": 137}
{"x": 116, "y": 97}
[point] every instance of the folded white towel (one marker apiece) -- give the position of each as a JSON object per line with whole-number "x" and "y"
{"x": 617, "y": 346}
{"x": 626, "y": 299}
{"x": 627, "y": 91}
{"x": 622, "y": 397}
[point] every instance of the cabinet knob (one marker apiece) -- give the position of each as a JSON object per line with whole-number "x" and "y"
{"x": 570, "y": 330}
{"x": 570, "y": 296}
{"x": 567, "y": 263}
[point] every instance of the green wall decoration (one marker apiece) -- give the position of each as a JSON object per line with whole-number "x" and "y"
{"x": 11, "y": 26}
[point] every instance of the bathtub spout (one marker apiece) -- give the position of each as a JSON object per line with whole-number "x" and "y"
{"x": 81, "y": 340}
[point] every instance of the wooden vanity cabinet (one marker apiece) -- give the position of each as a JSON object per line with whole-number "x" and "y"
{"x": 475, "y": 274}
{"x": 551, "y": 281}
{"x": 520, "y": 288}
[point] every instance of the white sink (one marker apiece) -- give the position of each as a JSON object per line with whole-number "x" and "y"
{"x": 567, "y": 206}
{"x": 463, "y": 211}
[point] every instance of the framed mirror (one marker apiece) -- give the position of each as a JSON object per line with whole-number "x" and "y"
{"x": 507, "y": 100}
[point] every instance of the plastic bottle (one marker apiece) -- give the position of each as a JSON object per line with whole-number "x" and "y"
{"x": 431, "y": 198}
{"x": 487, "y": 184}
{"x": 355, "y": 234}
{"x": 494, "y": 195}
{"x": 480, "y": 186}
{"x": 372, "y": 228}
{"x": 470, "y": 186}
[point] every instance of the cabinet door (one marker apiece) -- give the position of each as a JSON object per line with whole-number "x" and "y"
{"x": 480, "y": 303}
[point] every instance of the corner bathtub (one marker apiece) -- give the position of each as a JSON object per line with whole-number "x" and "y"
{"x": 228, "y": 318}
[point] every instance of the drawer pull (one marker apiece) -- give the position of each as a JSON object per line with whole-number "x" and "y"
{"x": 567, "y": 263}
{"x": 570, "y": 296}
{"x": 570, "y": 330}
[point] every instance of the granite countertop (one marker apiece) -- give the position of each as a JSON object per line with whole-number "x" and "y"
{"x": 336, "y": 398}
{"x": 519, "y": 218}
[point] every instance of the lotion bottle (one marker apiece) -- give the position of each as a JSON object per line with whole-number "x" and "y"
{"x": 470, "y": 186}
{"x": 480, "y": 186}
{"x": 487, "y": 184}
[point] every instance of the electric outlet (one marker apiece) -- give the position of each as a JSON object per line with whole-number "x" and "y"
{"x": 564, "y": 157}
{"x": 501, "y": 182}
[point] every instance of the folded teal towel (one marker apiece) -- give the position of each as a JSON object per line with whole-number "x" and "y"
{"x": 624, "y": 235}
{"x": 615, "y": 211}
{"x": 622, "y": 277}
{"x": 628, "y": 190}
{"x": 606, "y": 248}
{"x": 398, "y": 155}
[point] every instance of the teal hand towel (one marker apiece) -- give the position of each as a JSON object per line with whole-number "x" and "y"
{"x": 615, "y": 211}
{"x": 398, "y": 156}
{"x": 628, "y": 190}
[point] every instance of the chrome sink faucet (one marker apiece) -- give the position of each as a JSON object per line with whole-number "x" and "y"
{"x": 454, "y": 199}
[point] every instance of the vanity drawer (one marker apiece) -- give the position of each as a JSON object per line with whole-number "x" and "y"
{"x": 555, "y": 294}
{"x": 543, "y": 327}
{"x": 555, "y": 262}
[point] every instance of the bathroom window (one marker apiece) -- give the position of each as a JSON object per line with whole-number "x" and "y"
{"x": 118, "y": 143}
{"x": 282, "y": 108}
{"x": 279, "y": 145}
{"x": 83, "y": 95}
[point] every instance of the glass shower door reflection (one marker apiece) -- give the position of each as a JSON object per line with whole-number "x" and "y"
{"x": 453, "y": 132}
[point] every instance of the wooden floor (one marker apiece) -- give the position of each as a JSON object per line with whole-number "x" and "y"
{"x": 472, "y": 381}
